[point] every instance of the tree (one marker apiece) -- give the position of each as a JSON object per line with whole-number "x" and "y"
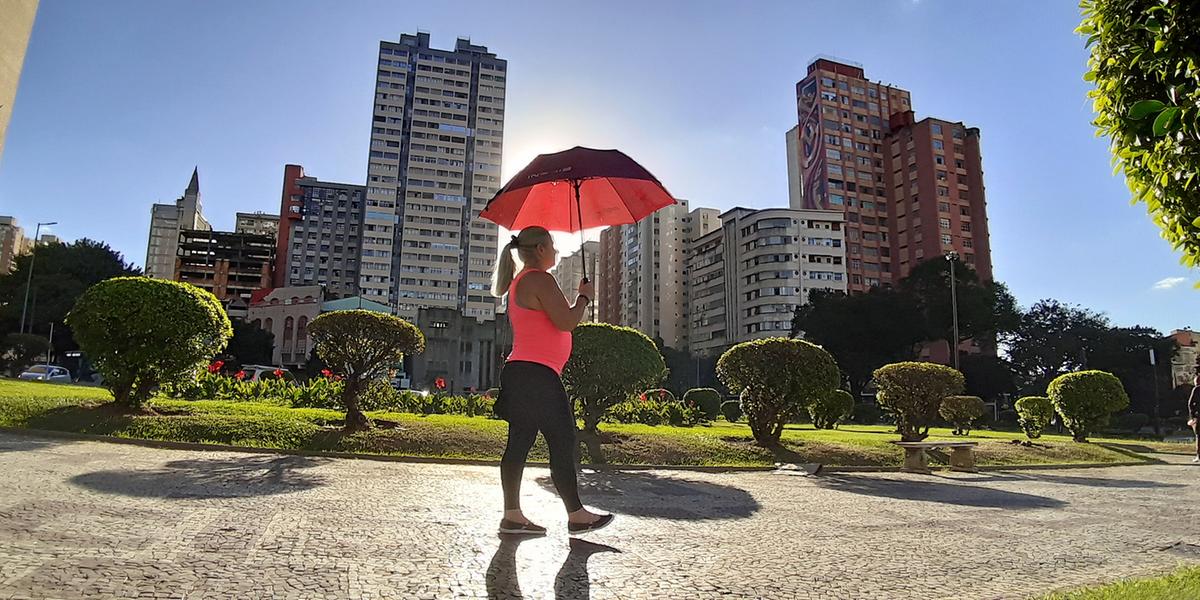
{"x": 609, "y": 364}
{"x": 861, "y": 331}
{"x": 828, "y": 411}
{"x": 1125, "y": 352}
{"x": 19, "y": 350}
{"x": 1147, "y": 101}
{"x": 1052, "y": 338}
{"x": 985, "y": 309}
{"x": 361, "y": 346}
{"x": 251, "y": 345}
{"x": 987, "y": 376}
{"x": 141, "y": 333}
{"x": 1085, "y": 399}
{"x": 961, "y": 412}
{"x": 913, "y": 392}
{"x": 1034, "y": 414}
{"x": 777, "y": 378}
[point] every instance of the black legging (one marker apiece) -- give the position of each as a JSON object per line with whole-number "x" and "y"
{"x": 534, "y": 400}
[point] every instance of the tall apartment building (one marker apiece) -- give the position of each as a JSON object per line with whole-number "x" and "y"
{"x": 230, "y": 265}
{"x": 434, "y": 162}
{"x": 1186, "y": 362}
{"x": 320, "y": 228}
{"x": 748, "y": 276}
{"x": 13, "y": 243}
{"x": 938, "y": 203}
{"x": 570, "y": 269}
{"x": 16, "y": 24}
{"x": 259, "y": 223}
{"x": 609, "y": 269}
{"x": 166, "y": 222}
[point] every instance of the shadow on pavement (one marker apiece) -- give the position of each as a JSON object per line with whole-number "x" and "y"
{"x": 646, "y": 494}
{"x": 571, "y": 583}
{"x": 209, "y": 478}
{"x": 1069, "y": 480}
{"x": 935, "y": 491}
{"x": 22, "y": 443}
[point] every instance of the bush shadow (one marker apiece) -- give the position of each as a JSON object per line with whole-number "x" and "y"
{"x": 647, "y": 494}
{"x": 1070, "y": 480}
{"x": 938, "y": 492}
{"x": 242, "y": 476}
{"x": 98, "y": 419}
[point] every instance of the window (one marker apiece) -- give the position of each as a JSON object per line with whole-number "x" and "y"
{"x": 968, "y": 243}
{"x": 938, "y": 145}
{"x": 946, "y": 239}
{"x": 966, "y": 226}
{"x": 833, "y": 154}
{"x": 943, "y": 191}
{"x": 944, "y": 223}
{"x": 936, "y": 128}
{"x": 964, "y": 211}
{"x": 941, "y": 175}
{"x": 939, "y": 159}
{"x": 837, "y": 199}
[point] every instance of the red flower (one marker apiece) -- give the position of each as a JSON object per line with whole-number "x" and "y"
{"x": 642, "y": 396}
{"x": 279, "y": 373}
{"x": 326, "y": 373}
{"x": 240, "y": 375}
{"x": 215, "y": 367}
{"x": 440, "y": 382}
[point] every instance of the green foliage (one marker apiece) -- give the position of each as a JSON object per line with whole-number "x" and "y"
{"x": 777, "y": 378}
{"x": 866, "y": 413}
{"x": 1034, "y": 413}
{"x": 829, "y": 410}
{"x": 1085, "y": 399}
{"x": 732, "y": 410}
{"x": 707, "y": 400}
{"x": 609, "y": 364}
{"x": 987, "y": 376}
{"x": 1145, "y": 63}
{"x": 652, "y": 411}
{"x": 20, "y": 350}
{"x": 140, "y": 333}
{"x": 985, "y": 308}
{"x": 913, "y": 392}
{"x": 961, "y": 411}
{"x": 1131, "y": 422}
{"x": 251, "y": 345}
{"x": 1052, "y": 338}
{"x": 362, "y": 346}
{"x": 658, "y": 394}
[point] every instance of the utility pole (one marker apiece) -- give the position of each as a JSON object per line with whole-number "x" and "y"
{"x": 952, "y": 257}
{"x": 1154, "y": 378}
{"x": 37, "y": 232}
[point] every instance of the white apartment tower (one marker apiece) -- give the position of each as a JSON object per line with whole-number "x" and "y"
{"x": 436, "y": 142}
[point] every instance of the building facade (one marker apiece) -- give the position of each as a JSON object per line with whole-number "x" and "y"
{"x": 230, "y": 265}
{"x": 258, "y": 223}
{"x": 610, "y": 268}
{"x": 285, "y": 313}
{"x": 570, "y": 269}
{"x": 1186, "y": 362}
{"x": 166, "y": 223}
{"x": 320, "y": 234}
{"x": 434, "y": 162}
{"x": 13, "y": 243}
{"x": 16, "y": 24}
{"x": 938, "y": 205}
{"x": 748, "y": 276}
{"x": 466, "y": 352}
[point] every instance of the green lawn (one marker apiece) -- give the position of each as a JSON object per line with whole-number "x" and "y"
{"x": 82, "y": 409}
{"x": 1183, "y": 584}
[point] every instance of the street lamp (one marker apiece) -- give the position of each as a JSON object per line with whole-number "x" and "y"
{"x": 952, "y": 257}
{"x": 37, "y": 231}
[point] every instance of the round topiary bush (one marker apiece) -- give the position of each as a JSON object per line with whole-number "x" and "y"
{"x": 140, "y": 333}
{"x": 913, "y": 392}
{"x": 961, "y": 412}
{"x": 1085, "y": 399}
{"x": 830, "y": 410}
{"x": 778, "y": 377}
{"x": 1034, "y": 414}
{"x": 707, "y": 400}
{"x": 609, "y": 364}
{"x": 658, "y": 395}
{"x": 731, "y": 410}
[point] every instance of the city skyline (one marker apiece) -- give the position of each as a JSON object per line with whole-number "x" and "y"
{"x": 1043, "y": 167}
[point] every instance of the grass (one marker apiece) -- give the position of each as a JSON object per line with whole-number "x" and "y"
{"x": 84, "y": 410}
{"x": 1183, "y": 584}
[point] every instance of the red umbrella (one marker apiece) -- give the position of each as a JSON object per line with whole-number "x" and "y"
{"x": 577, "y": 189}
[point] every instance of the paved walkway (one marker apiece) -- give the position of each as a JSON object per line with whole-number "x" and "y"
{"x": 84, "y": 519}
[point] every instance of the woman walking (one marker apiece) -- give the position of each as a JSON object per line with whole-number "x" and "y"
{"x": 532, "y": 397}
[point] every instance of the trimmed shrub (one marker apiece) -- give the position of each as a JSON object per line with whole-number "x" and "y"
{"x": 1085, "y": 399}
{"x": 1131, "y": 422}
{"x": 658, "y": 395}
{"x": 707, "y": 400}
{"x": 1034, "y": 414}
{"x": 654, "y": 412}
{"x": 961, "y": 412}
{"x": 141, "y": 333}
{"x": 362, "y": 346}
{"x": 866, "y": 413}
{"x": 609, "y": 364}
{"x": 913, "y": 392}
{"x": 731, "y": 410}
{"x": 777, "y": 377}
{"x": 830, "y": 410}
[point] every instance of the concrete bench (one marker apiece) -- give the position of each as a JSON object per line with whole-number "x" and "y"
{"x": 962, "y": 455}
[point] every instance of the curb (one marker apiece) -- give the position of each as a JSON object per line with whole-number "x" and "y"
{"x": 170, "y": 445}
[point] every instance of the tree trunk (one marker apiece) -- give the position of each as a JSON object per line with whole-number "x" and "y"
{"x": 355, "y": 419}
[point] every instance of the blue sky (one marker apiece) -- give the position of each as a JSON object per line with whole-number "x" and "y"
{"x": 119, "y": 100}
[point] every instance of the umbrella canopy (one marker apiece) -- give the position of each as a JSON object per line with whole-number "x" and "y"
{"x": 577, "y": 189}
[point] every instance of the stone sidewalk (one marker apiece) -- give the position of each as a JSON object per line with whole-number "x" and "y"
{"x": 95, "y": 520}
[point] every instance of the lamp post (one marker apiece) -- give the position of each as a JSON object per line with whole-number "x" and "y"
{"x": 37, "y": 231}
{"x": 952, "y": 257}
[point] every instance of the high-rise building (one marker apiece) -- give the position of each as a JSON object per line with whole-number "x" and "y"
{"x": 748, "y": 276}
{"x": 570, "y": 270}
{"x": 609, "y": 269}
{"x": 13, "y": 243}
{"x": 166, "y": 222}
{"x": 843, "y": 118}
{"x": 320, "y": 229}
{"x": 1186, "y": 362}
{"x": 259, "y": 223}
{"x": 230, "y": 265}
{"x": 938, "y": 205}
{"x": 795, "y": 188}
{"x": 434, "y": 162}
{"x": 16, "y": 24}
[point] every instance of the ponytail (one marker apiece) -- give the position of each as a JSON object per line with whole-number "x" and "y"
{"x": 525, "y": 243}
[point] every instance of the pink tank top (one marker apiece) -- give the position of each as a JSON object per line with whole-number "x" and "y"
{"x": 535, "y": 338}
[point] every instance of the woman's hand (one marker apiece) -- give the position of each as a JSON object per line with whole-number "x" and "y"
{"x": 588, "y": 289}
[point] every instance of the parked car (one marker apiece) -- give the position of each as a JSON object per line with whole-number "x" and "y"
{"x": 51, "y": 373}
{"x": 257, "y": 372}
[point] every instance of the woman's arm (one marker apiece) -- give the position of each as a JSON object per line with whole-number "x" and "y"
{"x": 543, "y": 290}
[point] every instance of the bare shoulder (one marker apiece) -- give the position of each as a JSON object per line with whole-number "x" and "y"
{"x": 539, "y": 279}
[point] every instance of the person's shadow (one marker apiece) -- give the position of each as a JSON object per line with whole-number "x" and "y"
{"x": 571, "y": 583}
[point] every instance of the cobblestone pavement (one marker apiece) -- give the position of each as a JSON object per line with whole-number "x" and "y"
{"x": 87, "y": 519}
